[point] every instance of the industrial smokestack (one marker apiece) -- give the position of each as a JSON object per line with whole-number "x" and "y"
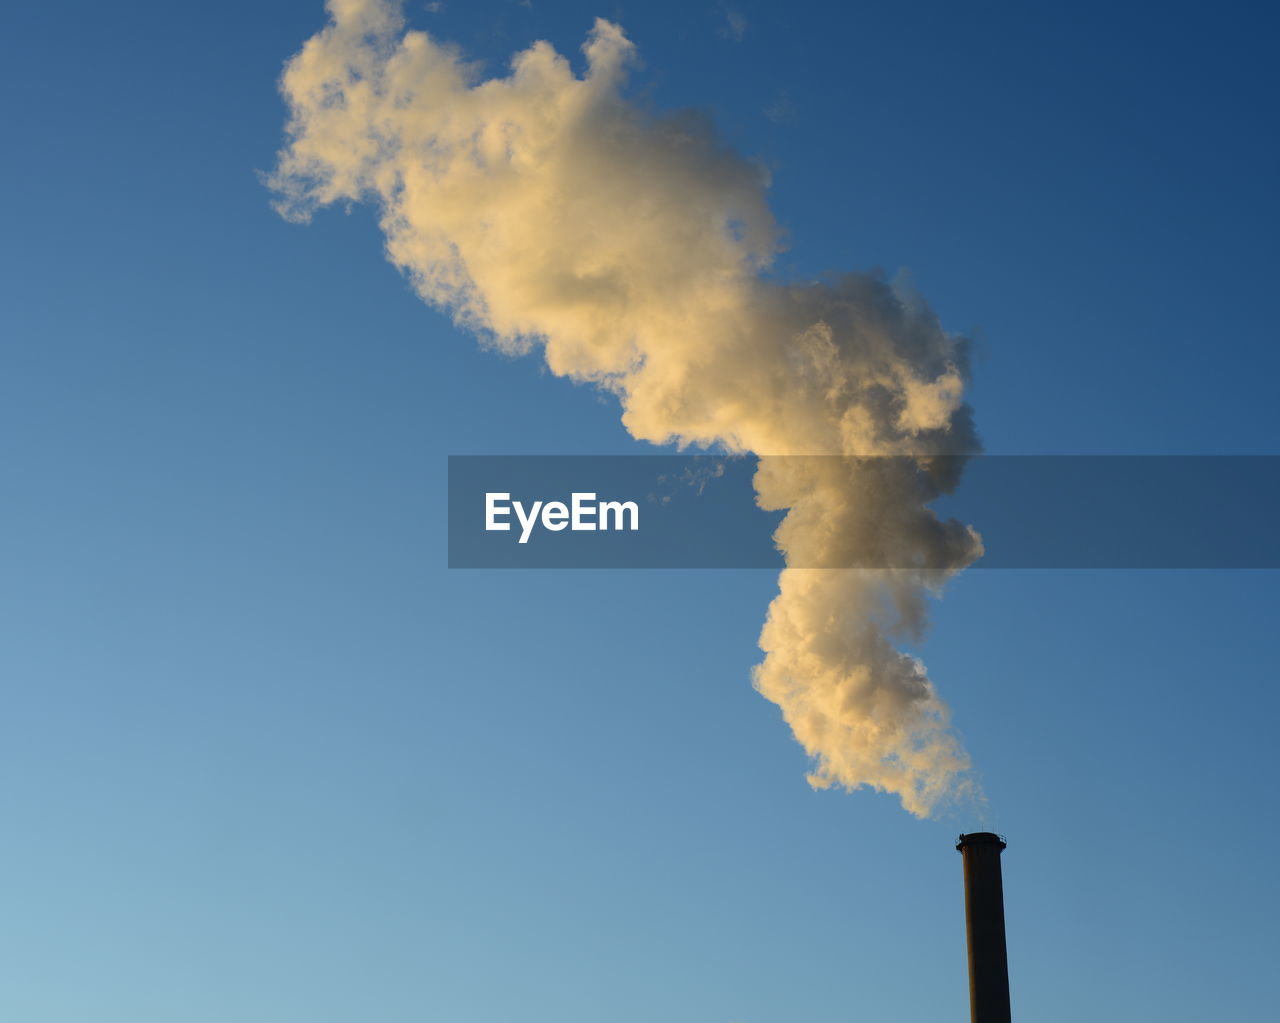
{"x": 984, "y": 924}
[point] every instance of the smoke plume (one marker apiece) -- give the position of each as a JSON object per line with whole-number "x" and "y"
{"x": 546, "y": 212}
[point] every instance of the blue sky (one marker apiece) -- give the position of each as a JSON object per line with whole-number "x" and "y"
{"x": 265, "y": 758}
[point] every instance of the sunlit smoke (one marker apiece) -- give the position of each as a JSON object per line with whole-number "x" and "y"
{"x": 545, "y": 211}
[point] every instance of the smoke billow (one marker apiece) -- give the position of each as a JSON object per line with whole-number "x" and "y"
{"x": 545, "y": 211}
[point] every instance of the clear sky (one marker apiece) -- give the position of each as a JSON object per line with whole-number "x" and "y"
{"x": 265, "y": 758}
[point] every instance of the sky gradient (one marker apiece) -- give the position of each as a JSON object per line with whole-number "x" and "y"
{"x": 267, "y": 759}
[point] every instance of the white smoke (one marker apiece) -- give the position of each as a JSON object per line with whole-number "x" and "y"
{"x": 545, "y": 211}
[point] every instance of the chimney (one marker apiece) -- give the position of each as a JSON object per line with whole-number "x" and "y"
{"x": 984, "y": 925}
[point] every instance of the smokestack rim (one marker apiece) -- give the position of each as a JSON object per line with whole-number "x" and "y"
{"x": 977, "y": 838}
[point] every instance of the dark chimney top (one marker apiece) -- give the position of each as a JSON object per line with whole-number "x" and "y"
{"x": 984, "y": 924}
